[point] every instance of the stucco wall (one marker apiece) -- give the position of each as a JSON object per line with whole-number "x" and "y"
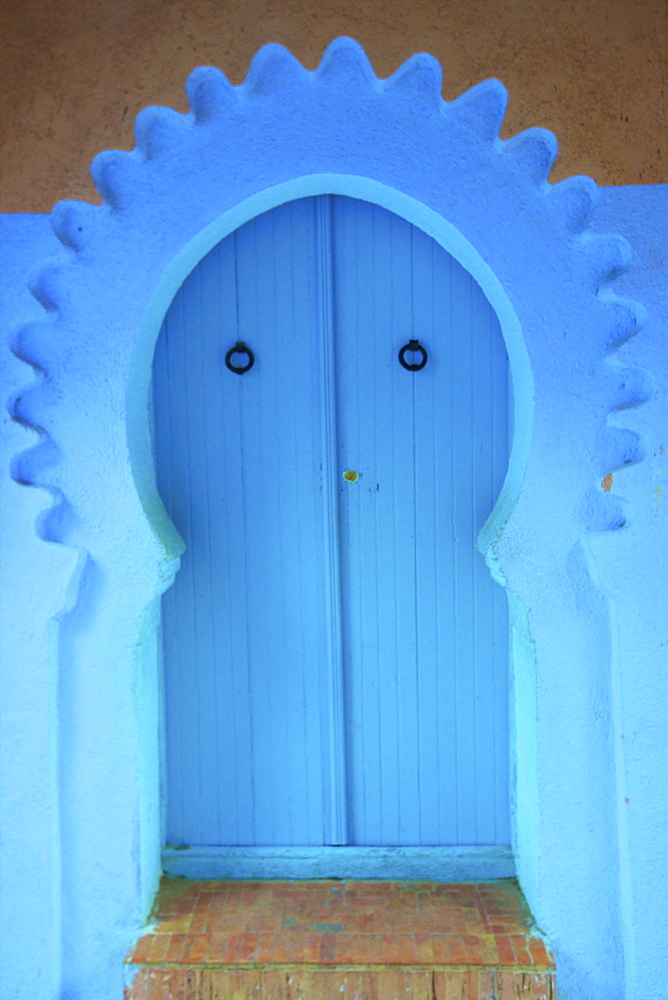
{"x": 41, "y": 577}
{"x": 56, "y": 792}
{"x": 631, "y": 569}
{"x": 72, "y": 875}
{"x": 76, "y": 73}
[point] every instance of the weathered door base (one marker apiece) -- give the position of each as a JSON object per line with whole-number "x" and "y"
{"x": 448, "y": 864}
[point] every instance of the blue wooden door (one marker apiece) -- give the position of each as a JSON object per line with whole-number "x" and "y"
{"x": 335, "y": 649}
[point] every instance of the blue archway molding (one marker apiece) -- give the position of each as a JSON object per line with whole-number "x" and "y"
{"x": 287, "y": 132}
{"x": 401, "y": 204}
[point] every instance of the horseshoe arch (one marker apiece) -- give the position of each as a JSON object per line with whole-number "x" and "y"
{"x": 288, "y": 133}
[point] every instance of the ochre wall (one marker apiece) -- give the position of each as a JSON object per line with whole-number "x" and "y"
{"x": 76, "y": 72}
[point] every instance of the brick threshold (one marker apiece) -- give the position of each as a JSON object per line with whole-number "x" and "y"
{"x": 355, "y": 940}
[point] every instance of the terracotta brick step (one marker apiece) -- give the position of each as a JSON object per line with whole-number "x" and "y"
{"x": 333, "y": 984}
{"x": 357, "y": 940}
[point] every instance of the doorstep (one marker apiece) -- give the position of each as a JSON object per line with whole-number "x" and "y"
{"x": 349, "y": 940}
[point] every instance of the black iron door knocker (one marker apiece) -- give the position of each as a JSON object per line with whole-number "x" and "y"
{"x": 239, "y": 348}
{"x": 413, "y": 347}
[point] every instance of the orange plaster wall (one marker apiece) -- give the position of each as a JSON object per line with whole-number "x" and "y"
{"x": 76, "y": 72}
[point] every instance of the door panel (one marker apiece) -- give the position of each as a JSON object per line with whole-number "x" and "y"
{"x": 335, "y": 652}
{"x": 424, "y": 625}
{"x": 239, "y": 463}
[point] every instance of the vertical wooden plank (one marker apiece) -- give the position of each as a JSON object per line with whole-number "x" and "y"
{"x": 334, "y": 743}
{"x": 433, "y": 544}
{"x": 466, "y": 640}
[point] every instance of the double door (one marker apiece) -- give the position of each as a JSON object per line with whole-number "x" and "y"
{"x": 335, "y": 649}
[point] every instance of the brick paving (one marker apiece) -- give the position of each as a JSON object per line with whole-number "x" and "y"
{"x": 355, "y": 940}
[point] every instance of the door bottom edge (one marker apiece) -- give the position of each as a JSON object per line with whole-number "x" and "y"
{"x": 438, "y": 864}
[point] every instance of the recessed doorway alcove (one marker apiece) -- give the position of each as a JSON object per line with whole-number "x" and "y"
{"x": 336, "y": 651}
{"x": 289, "y": 137}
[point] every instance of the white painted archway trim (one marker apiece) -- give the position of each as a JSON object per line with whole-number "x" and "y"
{"x": 366, "y": 189}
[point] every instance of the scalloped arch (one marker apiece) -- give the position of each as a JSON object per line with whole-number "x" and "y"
{"x": 284, "y": 133}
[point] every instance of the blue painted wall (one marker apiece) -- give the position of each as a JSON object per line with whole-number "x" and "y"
{"x": 632, "y": 573}
{"x": 80, "y": 720}
{"x": 35, "y": 577}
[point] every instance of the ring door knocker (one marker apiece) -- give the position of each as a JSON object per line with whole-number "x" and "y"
{"x": 414, "y": 347}
{"x": 240, "y": 348}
